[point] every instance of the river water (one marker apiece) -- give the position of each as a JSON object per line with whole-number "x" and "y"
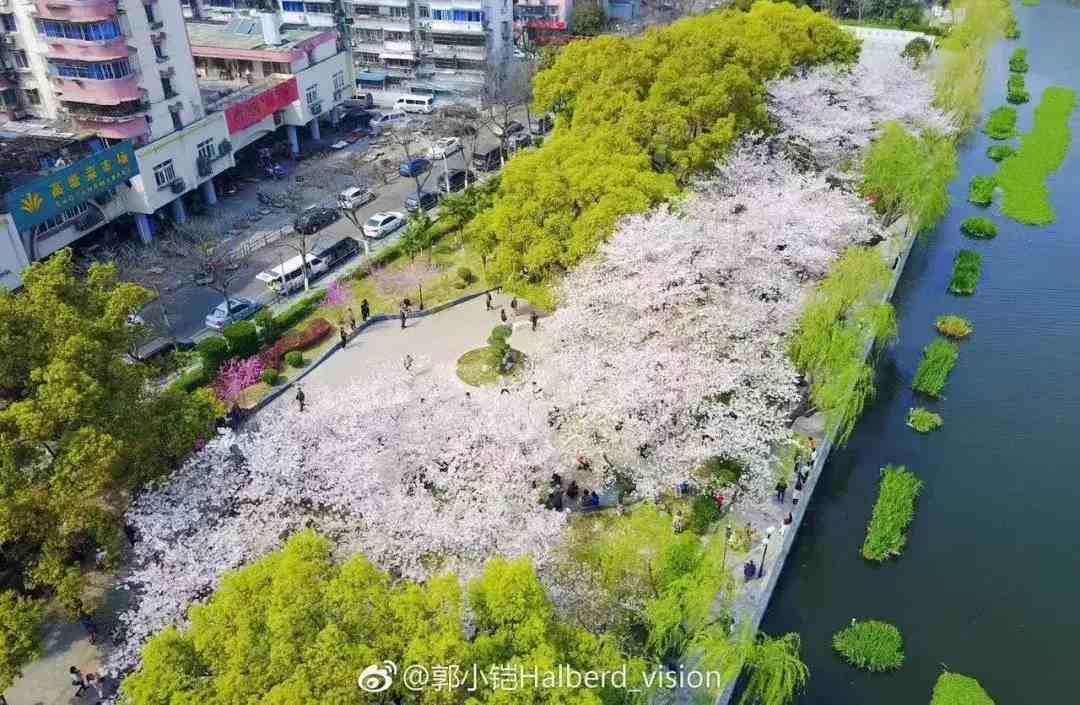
{"x": 989, "y": 585}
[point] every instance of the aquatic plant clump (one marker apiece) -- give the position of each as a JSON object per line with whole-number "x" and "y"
{"x": 981, "y": 190}
{"x": 1000, "y": 152}
{"x": 939, "y": 358}
{"x": 1023, "y": 176}
{"x": 1001, "y": 125}
{"x": 894, "y": 510}
{"x": 955, "y": 689}
{"x": 967, "y": 269}
{"x": 871, "y": 645}
{"x": 1018, "y": 61}
{"x": 924, "y": 421}
{"x": 1018, "y": 92}
{"x": 954, "y": 327}
{"x": 979, "y": 228}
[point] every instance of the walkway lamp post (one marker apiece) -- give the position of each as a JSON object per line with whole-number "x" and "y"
{"x": 764, "y": 550}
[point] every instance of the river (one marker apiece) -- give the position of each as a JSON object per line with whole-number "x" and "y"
{"x": 989, "y": 583}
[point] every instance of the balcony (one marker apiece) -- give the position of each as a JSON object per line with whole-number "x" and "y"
{"x": 110, "y": 91}
{"x": 80, "y": 50}
{"x": 76, "y": 10}
{"x": 121, "y": 112}
{"x": 398, "y": 47}
{"x": 451, "y": 27}
{"x": 114, "y": 127}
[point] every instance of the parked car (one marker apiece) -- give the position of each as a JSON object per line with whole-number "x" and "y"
{"x": 456, "y": 179}
{"x": 339, "y": 251}
{"x": 490, "y": 160}
{"x": 426, "y": 201}
{"x": 352, "y": 198}
{"x": 364, "y": 101}
{"x": 315, "y": 218}
{"x": 414, "y": 167}
{"x": 444, "y": 147}
{"x": 516, "y": 142}
{"x": 381, "y": 224}
{"x": 239, "y": 309}
{"x": 511, "y": 127}
{"x": 384, "y": 121}
{"x": 542, "y": 125}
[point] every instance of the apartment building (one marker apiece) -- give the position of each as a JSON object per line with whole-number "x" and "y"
{"x": 541, "y": 22}
{"x": 104, "y": 121}
{"x": 437, "y": 47}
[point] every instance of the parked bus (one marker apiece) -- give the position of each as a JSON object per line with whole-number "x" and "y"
{"x": 289, "y": 276}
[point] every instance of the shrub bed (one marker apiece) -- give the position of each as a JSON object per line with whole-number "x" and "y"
{"x": 967, "y": 268}
{"x": 871, "y": 645}
{"x": 939, "y": 358}
{"x": 886, "y": 535}
{"x": 1018, "y": 61}
{"x": 298, "y": 311}
{"x": 953, "y": 326}
{"x": 1000, "y": 152}
{"x": 979, "y": 228}
{"x": 1001, "y": 125}
{"x": 1023, "y": 176}
{"x": 316, "y": 330}
{"x": 955, "y": 689}
{"x": 981, "y": 191}
{"x": 924, "y": 421}
{"x": 243, "y": 338}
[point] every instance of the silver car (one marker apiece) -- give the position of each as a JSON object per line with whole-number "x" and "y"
{"x": 381, "y": 224}
{"x": 239, "y": 309}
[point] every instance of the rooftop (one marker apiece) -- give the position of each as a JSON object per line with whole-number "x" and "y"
{"x": 32, "y": 148}
{"x": 219, "y": 95}
{"x": 245, "y": 34}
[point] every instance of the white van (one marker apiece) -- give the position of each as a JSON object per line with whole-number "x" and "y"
{"x": 416, "y": 104}
{"x": 289, "y": 276}
{"x": 384, "y": 121}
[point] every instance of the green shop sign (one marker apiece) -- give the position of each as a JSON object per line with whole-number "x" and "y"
{"x": 49, "y": 196}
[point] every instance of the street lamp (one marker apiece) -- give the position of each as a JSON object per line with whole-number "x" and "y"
{"x": 764, "y": 550}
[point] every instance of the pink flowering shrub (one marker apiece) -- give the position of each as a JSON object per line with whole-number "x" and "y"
{"x": 236, "y": 376}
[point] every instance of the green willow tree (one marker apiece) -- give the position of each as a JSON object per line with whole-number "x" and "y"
{"x": 80, "y": 425}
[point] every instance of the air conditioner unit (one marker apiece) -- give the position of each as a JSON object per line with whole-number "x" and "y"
{"x": 178, "y": 185}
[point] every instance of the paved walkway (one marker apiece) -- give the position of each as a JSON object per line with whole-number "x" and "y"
{"x": 442, "y": 338}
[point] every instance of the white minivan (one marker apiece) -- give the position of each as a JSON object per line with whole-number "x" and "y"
{"x": 416, "y": 104}
{"x": 384, "y": 121}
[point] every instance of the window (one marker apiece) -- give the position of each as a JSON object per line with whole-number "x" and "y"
{"x": 149, "y": 14}
{"x": 424, "y": 11}
{"x": 177, "y": 122}
{"x": 164, "y": 174}
{"x": 58, "y": 220}
{"x": 98, "y": 71}
{"x": 312, "y": 93}
{"x": 8, "y": 22}
{"x": 205, "y": 149}
{"x": 166, "y": 86}
{"x": 20, "y": 59}
{"x": 365, "y": 10}
{"x": 159, "y": 52}
{"x": 339, "y": 80}
{"x": 317, "y": 7}
{"x": 32, "y": 96}
{"x": 458, "y": 15}
{"x": 399, "y": 12}
{"x": 290, "y": 6}
{"x": 85, "y": 31}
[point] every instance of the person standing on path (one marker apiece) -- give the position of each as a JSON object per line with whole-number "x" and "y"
{"x": 87, "y": 623}
{"x": 534, "y": 319}
{"x": 401, "y": 315}
{"x": 786, "y": 524}
{"x": 78, "y": 680}
{"x": 487, "y": 301}
{"x": 513, "y": 304}
{"x": 781, "y": 489}
{"x": 344, "y": 336}
{"x": 502, "y": 314}
{"x": 365, "y": 310}
{"x": 796, "y": 495}
{"x": 352, "y": 320}
{"x": 300, "y": 397}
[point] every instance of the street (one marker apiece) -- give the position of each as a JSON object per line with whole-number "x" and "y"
{"x": 187, "y": 304}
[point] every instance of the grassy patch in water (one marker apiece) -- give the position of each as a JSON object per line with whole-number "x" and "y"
{"x": 981, "y": 190}
{"x": 871, "y": 645}
{"x": 923, "y": 420}
{"x": 967, "y": 268}
{"x": 954, "y": 327}
{"x": 1001, "y": 125}
{"x": 1000, "y": 152}
{"x": 939, "y": 359}
{"x": 955, "y": 689}
{"x": 886, "y": 535}
{"x": 1018, "y": 61}
{"x": 979, "y": 228}
{"x": 1023, "y": 176}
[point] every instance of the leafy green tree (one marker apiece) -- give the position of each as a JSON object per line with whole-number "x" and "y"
{"x": 81, "y": 425}
{"x": 917, "y": 50}
{"x": 908, "y": 175}
{"x": 419, "y": 235}
{"x": 20, "y": 635}
{"x": 587, "y": 19}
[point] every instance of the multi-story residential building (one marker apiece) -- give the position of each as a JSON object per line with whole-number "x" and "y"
{"x": 104, "y": 119}
{"x": 540, "y": 22}
{"x": 438, "y": 47}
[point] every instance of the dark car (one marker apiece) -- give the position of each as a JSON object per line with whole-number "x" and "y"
{"x": 315, "y": 219}
{"x": 414, "y": 167}
{"x": 339, "y": 251}
{"x": 427, "y": 201}
{"x": 511, "y": 127}
{"x": 490, "y": 160}
{"x": 456, "y": 179}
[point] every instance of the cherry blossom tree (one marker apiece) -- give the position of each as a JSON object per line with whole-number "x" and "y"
{"x": 236, "y": 376}
{"x": 405, "y": 279}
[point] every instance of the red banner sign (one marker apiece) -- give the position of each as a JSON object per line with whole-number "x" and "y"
{"x": 546, "y": 24}
{"x": 243, "y": 115}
